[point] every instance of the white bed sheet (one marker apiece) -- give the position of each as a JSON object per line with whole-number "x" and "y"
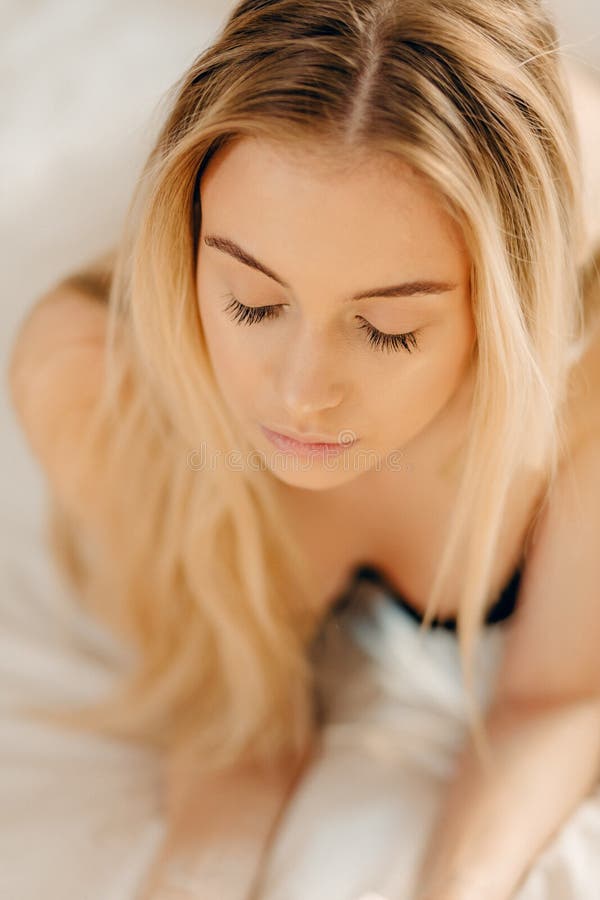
{"x": 80, "y": 816}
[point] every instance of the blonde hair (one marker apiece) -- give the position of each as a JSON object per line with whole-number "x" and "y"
{"x": 199, "y": 569}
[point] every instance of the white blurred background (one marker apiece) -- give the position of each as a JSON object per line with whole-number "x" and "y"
{"x": 81, "y": 83}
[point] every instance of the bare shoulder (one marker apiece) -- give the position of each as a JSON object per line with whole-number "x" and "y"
{"x": 55, "y": 377}
{"x": 69, "y": 315}
{"x": 60, "y": 318}
{"x": 57, "y": 352}
{"x": 551, "y": 652}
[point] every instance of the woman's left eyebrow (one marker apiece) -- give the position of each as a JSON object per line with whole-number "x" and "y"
{"x": 405, "y": 289}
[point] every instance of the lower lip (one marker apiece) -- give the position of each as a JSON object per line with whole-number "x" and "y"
{"x": 288, "y": 445}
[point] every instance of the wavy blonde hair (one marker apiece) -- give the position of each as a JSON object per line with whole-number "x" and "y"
{"x": 198, "y": 568}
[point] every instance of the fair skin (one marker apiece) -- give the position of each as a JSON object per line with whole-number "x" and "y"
{"x": 311, "y": 366}
{"x": 307, "y": 371}
{"x": 547, "y": 703}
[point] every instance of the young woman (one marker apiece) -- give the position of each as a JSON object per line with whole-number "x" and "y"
{"x": 349, "y": 331}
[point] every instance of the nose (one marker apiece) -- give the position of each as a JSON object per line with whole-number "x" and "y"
{"x": 311, "y": 381}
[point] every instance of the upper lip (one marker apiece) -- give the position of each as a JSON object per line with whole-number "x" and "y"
{"x": 305, "y": 438}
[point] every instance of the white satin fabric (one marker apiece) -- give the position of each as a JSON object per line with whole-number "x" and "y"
{"x": 80, "y": 816}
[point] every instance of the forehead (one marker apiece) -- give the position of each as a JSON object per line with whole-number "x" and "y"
{"x": 370, "y": 206}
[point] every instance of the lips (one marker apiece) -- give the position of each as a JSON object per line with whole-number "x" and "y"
{"x": 289, "y": 444}
{"x": 310, "y": 438}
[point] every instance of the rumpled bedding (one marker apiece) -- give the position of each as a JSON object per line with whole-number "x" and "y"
{"x": 81, "y": 815}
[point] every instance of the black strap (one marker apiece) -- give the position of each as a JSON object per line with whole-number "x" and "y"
{"x": 502, "y": 608}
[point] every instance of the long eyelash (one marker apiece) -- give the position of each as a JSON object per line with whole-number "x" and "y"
{"x": 393, "y": 342}
{"x": 249, "y": 315}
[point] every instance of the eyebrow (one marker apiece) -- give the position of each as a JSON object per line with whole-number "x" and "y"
{"x": 405, "y": 289}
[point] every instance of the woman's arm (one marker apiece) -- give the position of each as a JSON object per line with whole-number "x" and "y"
{"x": 219, "y": 828}
{"x": 491, "y": 829}
{"x": 544, "y": 721}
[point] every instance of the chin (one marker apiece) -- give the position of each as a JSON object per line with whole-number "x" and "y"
{"x": 314, "y": 476}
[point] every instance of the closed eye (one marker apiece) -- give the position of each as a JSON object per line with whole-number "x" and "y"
{"x": 250, "y": 315}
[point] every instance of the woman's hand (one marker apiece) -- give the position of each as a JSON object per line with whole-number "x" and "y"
{"x": 220, "y": 827}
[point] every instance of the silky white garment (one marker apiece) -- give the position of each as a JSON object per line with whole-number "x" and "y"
{"x": 80, "y": 816}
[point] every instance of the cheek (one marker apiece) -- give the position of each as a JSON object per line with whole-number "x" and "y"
{"x": 233, "y": 363}
{"x": 429, "y": 379}
{"x": 453, "y": 353}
